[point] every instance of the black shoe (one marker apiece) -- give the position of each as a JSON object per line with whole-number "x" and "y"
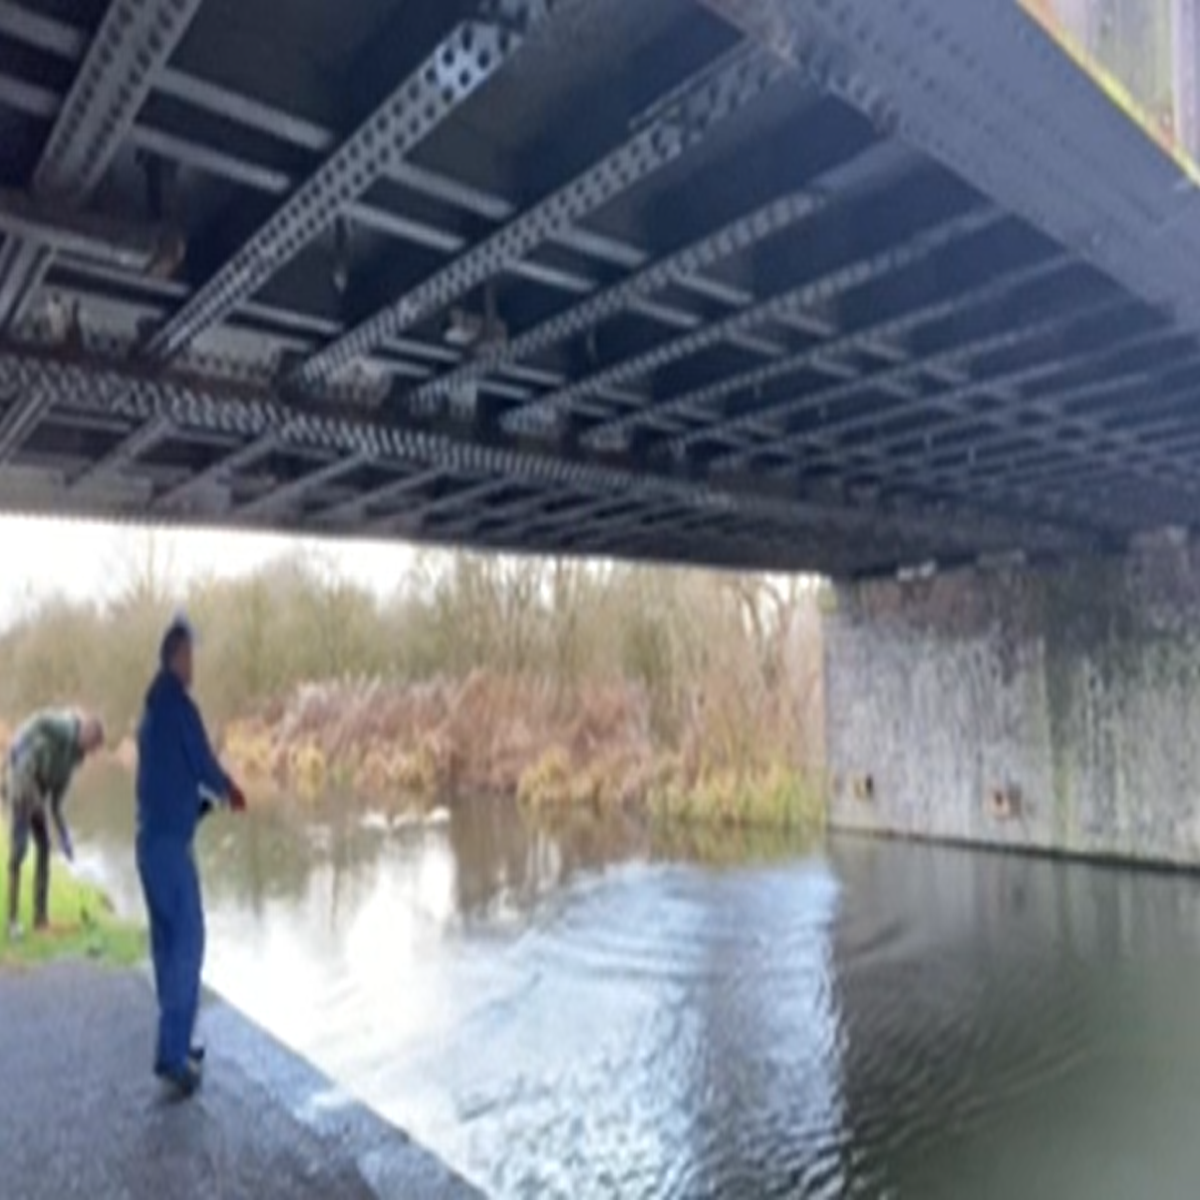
{"x": 183, "y": 1080}
{"x": 195, "y": 1057}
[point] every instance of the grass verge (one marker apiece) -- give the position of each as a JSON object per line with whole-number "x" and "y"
{"x": 82, "y": 921}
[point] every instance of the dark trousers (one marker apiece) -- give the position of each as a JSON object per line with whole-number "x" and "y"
{"x": 171, "y": 886}
{"x": 27, "y": 824}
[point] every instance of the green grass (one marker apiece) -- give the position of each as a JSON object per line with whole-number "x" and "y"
{"x": 82, "y": 921}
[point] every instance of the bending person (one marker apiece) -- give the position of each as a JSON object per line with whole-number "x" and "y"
{"x": 41, "y": 763}
{"x": 178, "y": 779}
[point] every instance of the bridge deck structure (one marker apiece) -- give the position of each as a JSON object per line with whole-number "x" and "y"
{"x": 829, "y": 285}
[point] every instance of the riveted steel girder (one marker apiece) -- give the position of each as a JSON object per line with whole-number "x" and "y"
{"x": 144, "y": 437}
{"x": 386, "y": 493}
{"x": 679, "y": 126}
{"x": 876, "y": 336}
{"x": 948, "y": 406}
{"x": 134, "y": 40}
{"x": 1042, "y": 140}
{"x": 261, "y": 417}
{"x": 765, "y": 420}
{"x": 792, "y": 302}
{"x": 21, "y": 417}
{"x": 675, "y": 267}
{"x": 278, "y": 498}
{"x": 57, "y": 37}
{"x": 739, "y": 235}
{"x": 464, "y": 61}
{"x": 266, "y": 440}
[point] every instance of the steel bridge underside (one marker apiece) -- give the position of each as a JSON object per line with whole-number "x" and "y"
{"x": 793, "y": 284}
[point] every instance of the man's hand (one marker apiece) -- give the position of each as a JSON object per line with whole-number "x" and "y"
{"x": 237, "y": 798}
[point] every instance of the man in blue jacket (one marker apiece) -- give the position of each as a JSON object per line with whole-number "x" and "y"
{"x": 178, "y": 782}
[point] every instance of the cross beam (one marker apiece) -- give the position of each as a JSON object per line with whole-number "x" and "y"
{"x": 22, "y": 416}
{"x": 792, "y": 301}
{"x": 278, "y": 498}
{"x": 225, "y": 466}
{"x": 681, "y": 125}
{"x": 259, "y": 414}
{"x": 385, "y": 493}
{"x": 130, "y": 448}
{"x": 457, "y": 67}
{"x": 133, "y": 42}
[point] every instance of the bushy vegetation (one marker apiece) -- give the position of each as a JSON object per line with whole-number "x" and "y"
{"x": 691, "y": 694}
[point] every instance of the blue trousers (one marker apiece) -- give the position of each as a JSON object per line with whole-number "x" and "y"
{"x": 171, "y": 886}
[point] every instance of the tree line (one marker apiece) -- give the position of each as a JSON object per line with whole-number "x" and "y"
{"x": 736, "y": 656}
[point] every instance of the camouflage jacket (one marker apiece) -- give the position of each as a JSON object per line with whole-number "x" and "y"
{"x": 43, "y": 757}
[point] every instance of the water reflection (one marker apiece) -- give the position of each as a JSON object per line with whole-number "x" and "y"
{"x": 588, "y": 1010}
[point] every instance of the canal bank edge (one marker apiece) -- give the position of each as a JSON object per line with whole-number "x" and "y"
{"x": 265, "y": 1123}
{"x": 388, "y": 1160}
{"x": 1052, "y": 709}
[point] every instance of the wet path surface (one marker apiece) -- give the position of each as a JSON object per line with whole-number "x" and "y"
{"x": 81, "y": 1116}
{"x": 592, "y": 1012}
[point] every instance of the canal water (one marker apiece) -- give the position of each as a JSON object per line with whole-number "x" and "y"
{"x": 589, "y": 1011}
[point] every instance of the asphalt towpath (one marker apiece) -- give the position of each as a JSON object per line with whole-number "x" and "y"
{"x": 82, "y": 1116}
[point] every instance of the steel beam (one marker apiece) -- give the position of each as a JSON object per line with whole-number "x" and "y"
{"x": 684, "y": 122}
{"x": 794, "y": 301}
{"x": 134, "y": 40}
{"x": 576, "y": 511}
{"x": 465, "y": 497}
{"x": 51, "y": 35}
{"x": 948, "y": 411}
{"x": 23, "y": 266}
{"x": 257, "y": 413}
{"x": 22, "y": 416}
{"x": 673, "y": 269}
{"x": 385, "y": 493}
{"x": 1047, "y": 150}
{"x": 456, "y": 68}
{"x": 282, "y": 496}
{"x": 224, "y": 467}
{"x": 49, "y": 225}
{"x": 737, "y": 236}
{"x": 1086, "y": 442}
{"x": 131, "y": 447}
{"x": 417, "y": 518}
{"x": 766, "y": 421}
{"x": 877, "y": 337}
{"x": 56, "y": 37}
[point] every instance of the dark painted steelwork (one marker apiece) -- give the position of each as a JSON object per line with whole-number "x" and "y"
{"x": 127, "y": 450}
{"x": 748, "y": 282}
{"x": 278, "y": 498}
{"x": 449, "y": 75}
{"x": 671, "y": 133}
{"x": 134, "y": 40}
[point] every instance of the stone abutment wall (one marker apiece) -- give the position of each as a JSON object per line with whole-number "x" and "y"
{"x": 1049, "y": 709}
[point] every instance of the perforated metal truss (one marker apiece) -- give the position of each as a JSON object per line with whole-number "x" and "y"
{"x": 266, "y": 424}
{"x": 134, "y": 40}
{"x": 675, "y": 130}
{"x": 462, "y": 63}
